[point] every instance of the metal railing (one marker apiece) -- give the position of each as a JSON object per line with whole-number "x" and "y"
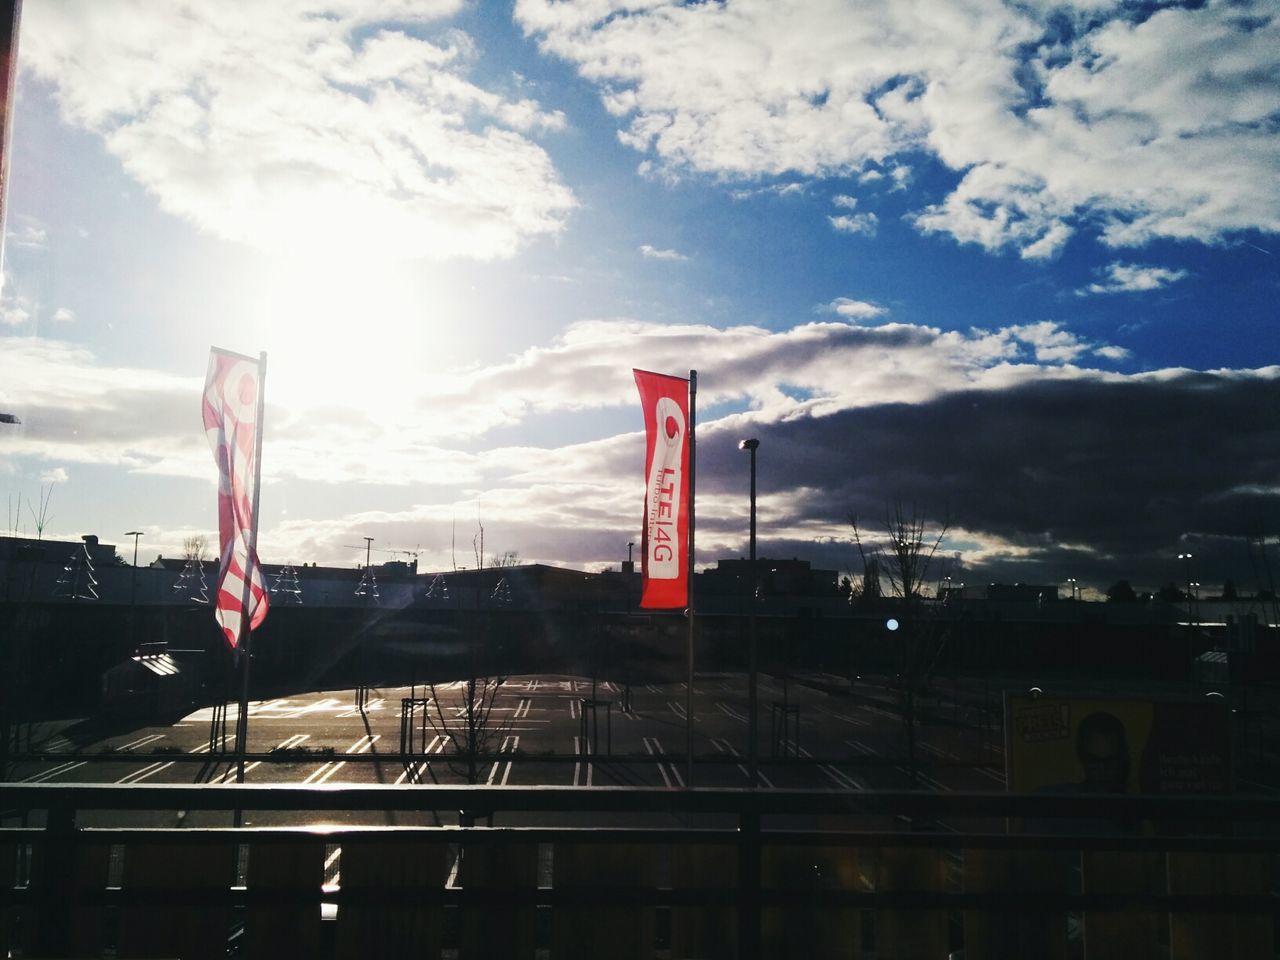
{"x": 621, "y": 871}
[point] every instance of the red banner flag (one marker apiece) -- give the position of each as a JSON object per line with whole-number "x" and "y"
{"x": 230, "y": 422}
{"x": 665, "y": 562}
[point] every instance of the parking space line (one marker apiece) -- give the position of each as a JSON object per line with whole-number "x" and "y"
{"x": 856, "y": 721}
{"x": 137, "y": 776}
{"x": 327, "y": 703}
{"x": 325, "y": 771}
{"x": 414, "y": 771}
{"x": 724, "y": 746}
{"x": 57, "y": 771}
{"x": 838, "y": 777}
{"x": 578, "y": 764}
{"x": 729, "y": 712}
{"x": 654, "y": 747}
{"x": 509, "y": 745}
{"x": 140, "y": 742}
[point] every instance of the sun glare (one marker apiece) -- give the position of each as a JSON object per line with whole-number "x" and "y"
{"x": 358, "y": 334}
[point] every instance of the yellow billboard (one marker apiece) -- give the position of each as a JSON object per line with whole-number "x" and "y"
{"x": 1112, "y": 745}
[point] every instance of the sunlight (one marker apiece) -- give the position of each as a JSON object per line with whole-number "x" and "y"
{"x": 359, "y": 334}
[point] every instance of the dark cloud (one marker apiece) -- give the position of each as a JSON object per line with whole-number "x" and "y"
{"x": 1084, "y": 478}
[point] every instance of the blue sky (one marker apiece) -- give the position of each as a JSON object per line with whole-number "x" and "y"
{"x": 1015, "y": 263}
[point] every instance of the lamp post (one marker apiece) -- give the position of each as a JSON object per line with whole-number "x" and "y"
{"x": 362, "y": 684}
{"x": 133, "y": 590}
{"x": 751, "y": 446}
{"x": 1186, "y": 557}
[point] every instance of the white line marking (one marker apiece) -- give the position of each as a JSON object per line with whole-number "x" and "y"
{"x": 509, "y": 745}
{"x": 137, "y": 776}
{"x": 728, "y": 711}
{"x": 325, "y": 771}
{"x": 54, "y": 772}
{"x": 654, "y": 746}
{"x": 838, "y": 777}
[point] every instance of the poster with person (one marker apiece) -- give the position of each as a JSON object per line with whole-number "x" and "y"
{"x": 1096, "y": 745}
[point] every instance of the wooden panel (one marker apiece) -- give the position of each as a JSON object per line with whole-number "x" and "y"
{"x": 996, "y": 934}
{"x": 392, "y": 929}
{"x": 497, "y": 932}
{"x": 908, "y": 934}
{"x": 1221, "y": 935}
{"x": 191, "y": 932}
{"x": 284, "y": 929}
{"x": 812, "y": 932}
{"x": 605, "y": 932}
{"x": 710, "y": 932}
{"x": 67, "y": 924}
{"x": 1122, "y": 934}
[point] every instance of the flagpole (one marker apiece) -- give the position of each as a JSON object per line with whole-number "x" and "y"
{"x": 688, "y": 695}
{"x": 246, "y": 630}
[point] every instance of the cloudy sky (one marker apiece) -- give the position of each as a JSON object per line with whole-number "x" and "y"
{"x": 1013, "y": 262}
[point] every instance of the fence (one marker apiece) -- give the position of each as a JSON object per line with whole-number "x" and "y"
{"x": 635, "y": 873}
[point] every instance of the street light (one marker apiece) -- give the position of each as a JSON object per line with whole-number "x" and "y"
{"x": 1187, "y": 558}
{"x": 1074, "y": 588}
{"x": 751, "y": 446}
{"x": 133, "y": 590}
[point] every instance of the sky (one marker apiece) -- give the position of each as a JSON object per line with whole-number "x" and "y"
{"x": 1011, "y": 264}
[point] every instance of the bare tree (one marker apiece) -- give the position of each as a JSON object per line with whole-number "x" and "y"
{"x": 195, "y": 547}
{"x": 904, "y": 555}
{"x": 906, "y": 551}
{"x": 463, "y": 713}
{"x": 41, "y": 517}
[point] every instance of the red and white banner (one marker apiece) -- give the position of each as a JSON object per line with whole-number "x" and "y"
{"x": 665, "y": 562}
{"x": 230, "y": 422}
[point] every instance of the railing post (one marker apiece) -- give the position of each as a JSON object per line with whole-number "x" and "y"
{"x": 55, "y": 872}
{"x": 749, "y": 883}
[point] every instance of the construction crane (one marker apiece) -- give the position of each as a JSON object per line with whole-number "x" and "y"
{"x": 406, "y": 553}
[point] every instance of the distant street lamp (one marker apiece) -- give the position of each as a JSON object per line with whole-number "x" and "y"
{"x": 133, "y": 590}
{"x": 1186, "y": 557}
{"x": 751, "y": 446}
{"x": 1075, "y": 589}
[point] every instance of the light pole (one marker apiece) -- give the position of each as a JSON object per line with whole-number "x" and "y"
{"x": 133, "y": 590}
{"x": 362, "y": 687}
{"x": 751, "y": 446}
{"x": 1075, "y": 588}
{"x": 1186, "y": 557}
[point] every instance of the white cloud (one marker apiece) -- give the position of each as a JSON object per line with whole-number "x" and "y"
{"x": 27, "y": 231}
{"x": 792, "y": 189}
{"x": 80, "y": 410}
{"x": 653, "y": 253}
{"x": 844, "y": 201}
{"x": 64, "y": 315}
{"x": 856, "y": 309}
{"x": 56, "y": 475}
{"x": 14, "y": 311}
{"x": 1149, "y": 123}
{"x": 1132, "y": 278}
{"x": 1111, "y": 352}
{"x": 298, "y": 126}
{"x": 567, "y": 499}
{"x": 864, "y": 223}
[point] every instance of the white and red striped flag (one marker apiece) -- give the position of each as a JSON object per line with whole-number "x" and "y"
{"x": 231, "y": 405}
